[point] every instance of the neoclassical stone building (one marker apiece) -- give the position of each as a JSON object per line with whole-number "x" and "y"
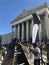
{"x": 23, "y": 24}
{"x": 7, "y": 38}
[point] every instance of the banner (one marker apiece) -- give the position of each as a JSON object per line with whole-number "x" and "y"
{"x": 34, "y": 32}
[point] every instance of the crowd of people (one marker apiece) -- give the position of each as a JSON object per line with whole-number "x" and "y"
{"x": 3, "y": 52}
{"x": 35, "y": 51}
{"x": 30, "y": 50}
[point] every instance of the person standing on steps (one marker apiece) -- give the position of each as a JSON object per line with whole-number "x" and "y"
{"x": 36, "y": 51}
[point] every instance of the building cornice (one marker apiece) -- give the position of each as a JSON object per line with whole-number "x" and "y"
{"x": 28, "y": 12}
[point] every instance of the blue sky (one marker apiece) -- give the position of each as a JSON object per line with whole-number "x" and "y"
{"x": 10, "y": 9}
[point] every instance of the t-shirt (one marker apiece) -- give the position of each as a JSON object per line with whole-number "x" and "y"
{"x": 37, "y": 56}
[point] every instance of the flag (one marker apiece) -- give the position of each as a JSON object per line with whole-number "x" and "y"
{"x": 34, "y": 32}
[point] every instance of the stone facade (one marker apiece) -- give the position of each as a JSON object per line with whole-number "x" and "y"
{"x": 7, "y": 38}
{"x": 23, "y": 24}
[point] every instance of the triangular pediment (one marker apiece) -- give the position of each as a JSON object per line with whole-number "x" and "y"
{"x": 28, "y": 12}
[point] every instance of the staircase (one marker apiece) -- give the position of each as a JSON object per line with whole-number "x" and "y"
{"x": 19, "y": 56}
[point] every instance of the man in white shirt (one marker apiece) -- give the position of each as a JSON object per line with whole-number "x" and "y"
{"x": 36, "y": 52}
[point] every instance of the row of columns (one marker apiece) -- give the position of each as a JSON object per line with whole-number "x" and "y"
{"x": 17, "y": 30}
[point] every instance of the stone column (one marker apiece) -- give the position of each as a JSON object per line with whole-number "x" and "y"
{"x": 40, "y": 32}
{"x": 32, "y": 28}
{"x": 47, "y": 24}
{"x": 12, "y": 33}
{"x": 27, "y": 31}
{"x": 18, "y": 31}
{"x": 32, "y": 23}
{"x": 43, "y": 27}
{"x": 15, "y": 32}
{"x": 22, "y": 38}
